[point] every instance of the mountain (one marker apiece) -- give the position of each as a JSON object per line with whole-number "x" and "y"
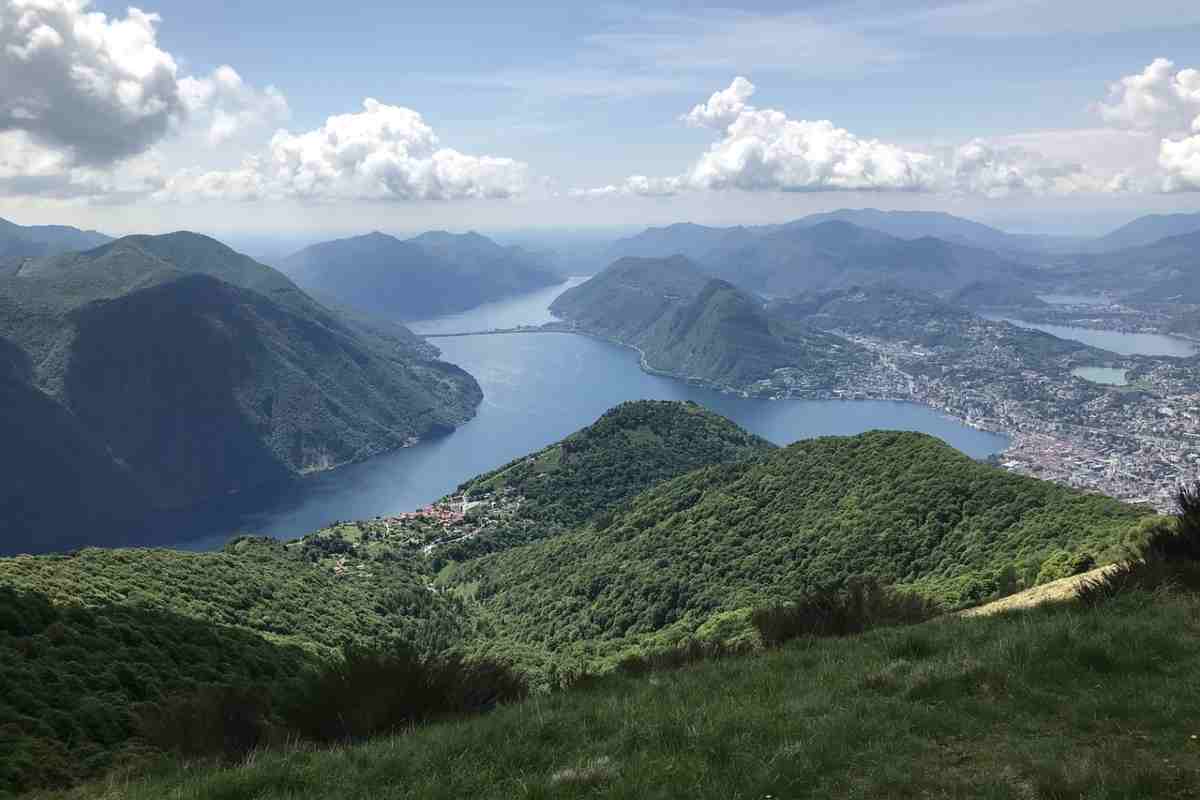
{"x": 689, "y": 325}
{"x": 901, "y": 507}
{"x": 200, "y": 372}
{"x": 1167, "y": 271}
{"x": 19, "y": 242}
{"x": 684, "y": 238}
{"x": 697, "y": 241}
{"x": 797, "y": 258}
{"x": 938, "y": 224}
{"x": 435, "y": 273}
{"x": 1145, "y": 231}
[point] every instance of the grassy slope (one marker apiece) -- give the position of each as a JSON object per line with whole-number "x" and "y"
{"x": 1059, "y": 702}
{"x": 901, "y": 507}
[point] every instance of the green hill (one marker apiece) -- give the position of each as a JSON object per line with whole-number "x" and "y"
{"x": 630, "y": 448}
{"x": 201, "y": 372}
{"x": 692, "y": 326}
{"x": 1059, "y": 702}
{"x": 900, "y": 507}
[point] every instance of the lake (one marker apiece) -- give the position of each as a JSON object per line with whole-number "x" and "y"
{"x": 538, "y": 388}
{"x": 1126, "y": 344}
{"x": 1108, "y": 376}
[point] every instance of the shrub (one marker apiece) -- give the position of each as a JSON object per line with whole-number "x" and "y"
{"x": 1167, "y": 557}
{"x": 368, "y": 693}
{"x": 221, "y": 721}
{"x": 863, "y": 604}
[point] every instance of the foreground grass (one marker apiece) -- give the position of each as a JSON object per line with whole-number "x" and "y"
{"x": 1057, "y": 702}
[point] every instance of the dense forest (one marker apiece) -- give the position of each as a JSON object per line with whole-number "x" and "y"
{"x": 899, "y": 507}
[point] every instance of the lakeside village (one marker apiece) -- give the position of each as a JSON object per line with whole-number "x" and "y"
{"x": 455, "y": 519}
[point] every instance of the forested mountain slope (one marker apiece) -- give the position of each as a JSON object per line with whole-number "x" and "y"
{"x": 899, "y": 507}
{"x": 200, "y": 372}
{"x": 692, "y": 326}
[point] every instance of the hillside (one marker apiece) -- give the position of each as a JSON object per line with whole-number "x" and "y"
{"x": 1067, "y": 701}
{"x": 433, "y": 274}
{"x": 689, "y": 325}
{"x": 900, "y": 507}
{"x": 200, "y": 372}
{"x": 85, "y": 637}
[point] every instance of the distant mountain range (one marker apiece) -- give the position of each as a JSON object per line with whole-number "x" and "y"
{"x": 433, "y": 274}
{"x": 696, "y": 241}
{"x": 177, "y": 369}
{"x": 808, "y": 255}
{"x": 691, "y": 325}
{"x": 19, "y": 242}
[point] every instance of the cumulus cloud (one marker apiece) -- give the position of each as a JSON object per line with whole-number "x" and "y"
{"x": 1181, "y": 162}
{"x": 1166, "y": 101}
{"x": 231, "y": 105}
{"x": 98, "y": 88}
{"x": 384, "y": 152}
{"x": 85, "y": 99}
{"x": 980, "y": 167}
{"x": 1159, "y": 98}
{"x": 765, "y": 150}
{"x": 723, "y": 107}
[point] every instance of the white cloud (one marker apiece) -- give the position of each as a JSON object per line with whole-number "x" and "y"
{"x": 231, "y": 106}
{"x": 981, "y": 167}
{"x": 635, "y": 185}
{"x": 765, "y": 150}
{"x": 384, "y": 152}
{"x": 1157, "y": 99}
{"x": 1166, "y": 101}
{"x": 1181, "y": 162}
{"x": 723, "y": 107}
{"x": 98, "y": 88}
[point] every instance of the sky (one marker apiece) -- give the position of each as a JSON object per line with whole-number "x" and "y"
{"x": 308, "y": 118}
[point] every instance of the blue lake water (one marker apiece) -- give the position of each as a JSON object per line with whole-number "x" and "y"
{"x": 1126, "y": 344}
{"x": 538, "y": 388}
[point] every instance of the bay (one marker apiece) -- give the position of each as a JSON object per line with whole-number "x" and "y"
{"x": 538, "y": 388}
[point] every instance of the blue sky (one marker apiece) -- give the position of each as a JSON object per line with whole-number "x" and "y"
{"x": 549, "y": 109}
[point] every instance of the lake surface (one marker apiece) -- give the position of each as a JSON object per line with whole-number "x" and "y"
{"x": 1105, "y": 375}
{"x": 1126, "y": 344}
{"x": 538, "y": 388}
{"x": 1076, "y": 299}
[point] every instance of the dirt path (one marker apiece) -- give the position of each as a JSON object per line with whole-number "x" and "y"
{"x": 1055, "y": 591}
